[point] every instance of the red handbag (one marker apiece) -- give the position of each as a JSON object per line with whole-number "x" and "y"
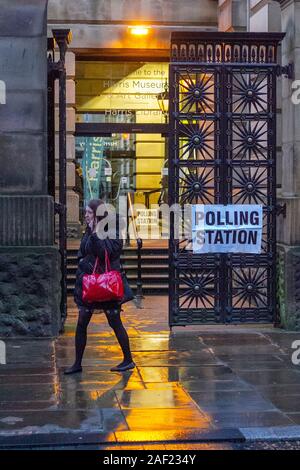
{"x": 102, "y": 287}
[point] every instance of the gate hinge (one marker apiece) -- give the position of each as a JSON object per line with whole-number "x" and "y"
{"x": 287, "y": 71}
{"x": 281, "y": 209}
{"x": 59, "y": 208}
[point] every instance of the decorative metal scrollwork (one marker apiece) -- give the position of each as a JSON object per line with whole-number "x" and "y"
{"x": 250, "y": 140}
{"x": 250, "y": 185}
{"x": 197, "y": 289}
{"x": 196, "y": 140}
{"x": 249, "y": 287}
{"x": 196, "y": 93}
{"x": 250, "y": 92}
{"x": 196, "y": 185}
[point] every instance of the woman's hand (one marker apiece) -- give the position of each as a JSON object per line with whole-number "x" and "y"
{"x": 92, "y": 225}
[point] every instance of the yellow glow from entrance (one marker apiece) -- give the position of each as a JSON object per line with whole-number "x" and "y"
{"x": 139, "y": 30}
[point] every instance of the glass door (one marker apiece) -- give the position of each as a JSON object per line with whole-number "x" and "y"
{"x": 110, "y": 167}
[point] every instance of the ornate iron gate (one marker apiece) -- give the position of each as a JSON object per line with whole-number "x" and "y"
{"x": 223, "y": 151}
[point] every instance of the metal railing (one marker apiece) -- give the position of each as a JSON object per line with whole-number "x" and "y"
{"x": 147, "y": 195}
{"x": 57, "y": 72}
{"x": 139, "y": 242}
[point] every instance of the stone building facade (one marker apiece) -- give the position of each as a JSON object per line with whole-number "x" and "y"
{"x": 100, "y": 27}
{"x": 100, "y": 32}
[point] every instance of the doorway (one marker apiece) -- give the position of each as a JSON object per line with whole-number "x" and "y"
{"x": 121, "y": 132}
{"x": 129, "y": 163}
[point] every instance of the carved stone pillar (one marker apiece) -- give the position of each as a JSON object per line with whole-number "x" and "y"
{"x": 232, "y": 15}
{"x": 264, "y": 15}
{"x": 29, "y": 261}
{"x": 288, "y": 233}
{"x": 73, "y": 224}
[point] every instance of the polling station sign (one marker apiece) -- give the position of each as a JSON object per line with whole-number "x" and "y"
{"x": 227, "y": 229}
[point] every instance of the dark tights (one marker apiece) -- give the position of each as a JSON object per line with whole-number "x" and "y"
{"x": 114, "y": 320}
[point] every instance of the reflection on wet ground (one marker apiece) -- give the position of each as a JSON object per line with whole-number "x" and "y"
{"x": 187, "y": 383}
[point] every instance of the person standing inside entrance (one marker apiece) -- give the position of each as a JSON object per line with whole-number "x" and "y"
{"x": 91, "y": 247}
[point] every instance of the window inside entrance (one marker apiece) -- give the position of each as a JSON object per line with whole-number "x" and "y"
{"x": 110, "y": 167}
{"x": 125, "y": 92}
{"x": 114, "y": 163}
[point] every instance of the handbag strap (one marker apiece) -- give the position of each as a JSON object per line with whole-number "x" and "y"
{"x": 96, "y": 265}
{"x": 107, "y": 262}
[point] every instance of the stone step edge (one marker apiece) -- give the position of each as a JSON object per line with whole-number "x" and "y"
{"x": 271, "y": 433}
{"x": 73, "y": 438}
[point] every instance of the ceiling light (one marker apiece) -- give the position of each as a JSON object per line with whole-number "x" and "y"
{"x": 139, "y": 30}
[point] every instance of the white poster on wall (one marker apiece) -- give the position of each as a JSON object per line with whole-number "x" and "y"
{"x": 227, "y": 229}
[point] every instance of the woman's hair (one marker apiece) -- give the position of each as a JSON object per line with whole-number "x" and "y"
{"x": 119, "y": 221}
{"x": 94, "y": 204}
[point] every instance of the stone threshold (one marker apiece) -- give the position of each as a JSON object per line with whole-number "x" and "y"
{"x": 264, "y": 433}
{"x": 73, "y": 438}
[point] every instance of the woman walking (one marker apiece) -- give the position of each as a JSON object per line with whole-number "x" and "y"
{"x": 91, "y": 247}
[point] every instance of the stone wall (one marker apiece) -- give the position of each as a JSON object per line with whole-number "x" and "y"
{"x": 288, "y": 228}
{"x": 87, "y": 11}
{"x": 288, "y": 287}
{"x": 29, "y": 261}
{"x": 23, "y": 119}
{"x": 265, "y": 15}
{"x": 29, "y": 291}
{"x": 232, "y": 15}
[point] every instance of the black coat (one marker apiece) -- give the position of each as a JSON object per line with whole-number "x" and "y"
{"x": 92, "y": 247}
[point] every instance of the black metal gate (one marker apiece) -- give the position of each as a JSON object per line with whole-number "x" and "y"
{"x": 223, "y": 151}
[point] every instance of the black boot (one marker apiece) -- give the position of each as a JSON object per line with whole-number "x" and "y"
{"x": 73, "y": 370}
{"x": 80, "y": 340}
{"x": 123, "y": 366}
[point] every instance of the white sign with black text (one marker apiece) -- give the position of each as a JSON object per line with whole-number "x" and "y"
{"x": 234, "y": 228}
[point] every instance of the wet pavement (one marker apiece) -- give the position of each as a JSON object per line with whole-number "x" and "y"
{"x": 214, "y": 385}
